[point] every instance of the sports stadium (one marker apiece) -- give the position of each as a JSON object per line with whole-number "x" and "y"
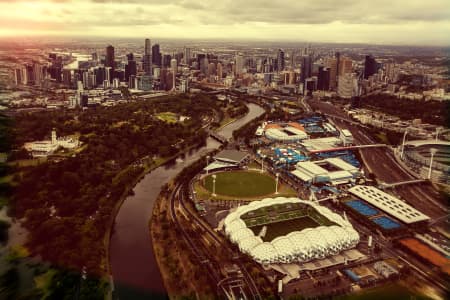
{"x": 287, "y": 230}
{"x": 288, "y": 132}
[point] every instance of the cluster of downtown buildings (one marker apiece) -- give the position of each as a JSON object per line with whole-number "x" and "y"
{"x": 318, "y": 72}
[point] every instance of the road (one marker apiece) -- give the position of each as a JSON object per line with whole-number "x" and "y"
{"x": 210, "y": 260}
{"x": 382, "y": 163}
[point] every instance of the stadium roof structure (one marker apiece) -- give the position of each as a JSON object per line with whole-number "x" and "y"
{"x": 231, "y": 156}
{"x": 297, "y": 246}
{"x": 389, "y": 204}
{"x": 288, "y": 133}
{"x": 311, "y": 171}
{"x": 218, "y": 165}
{"x": 341, "y": 164}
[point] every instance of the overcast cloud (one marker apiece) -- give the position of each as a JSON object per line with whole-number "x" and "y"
{"x": 376, "y": 21}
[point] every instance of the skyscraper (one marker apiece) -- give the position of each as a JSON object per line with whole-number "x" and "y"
{"x": 239, "y": 64}
{"x": 280, "y": 60}
{"x": 323, "y": 79}
{"x": 219, "y": 71}
{"x": 146, "y": 59}
{"x": 174, "y": 70}
{"x": 331, "y": 64}
{"x": 130, "y": 67}
{"x": 306, "y": 69}
{"x": 187, "y": 56}
{"x": 370, "y": 66}
{"x": 345, "y": 66}
{"x": 110, "y": 60}
{"x": 147, "y": 48}
{"x": 174, "y": 65}
{"x": 156, "y": 55}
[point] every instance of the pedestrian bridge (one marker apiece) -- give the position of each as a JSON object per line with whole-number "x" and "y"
{"x": 391, "y": 185}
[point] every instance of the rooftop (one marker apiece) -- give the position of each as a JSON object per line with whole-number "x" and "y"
{"x": 389, "y": 204}
{"x": 231, "y": 156}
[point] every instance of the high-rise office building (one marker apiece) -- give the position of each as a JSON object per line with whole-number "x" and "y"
{"x": 391, "y": 72}
{"x": 211, "y": 70}
{"x": 130, "y": 67}
{"x": 347, "y": 85}
{"x": 219, "y": 71}
{"x": 204, "y": 65}
{"x": 280, "y": 60}
{"x": 17, "y": 76}
{"x": 146, "y": 82}
{"x": 331, "y": 64}
{"x": 67, "y": 77}
{"x": 156, "y": 55}
{"x": 323, "y": 79}
{"x": 345, "y": 66}
{"x": 174, "y": 65}
{"x": 306, "y": 70}
{"x": 147, "y": 58}
{"x": 147, "y": 48}
{"x": 174, "y": 70}
{"x": 370, "y": 66}
{"x": 166, "y": 58}
{"x": 38, "y": 71}
{"x": 187, "y": 56}
{"x": 239, "y": 64}
{"x": 110, "y": 60}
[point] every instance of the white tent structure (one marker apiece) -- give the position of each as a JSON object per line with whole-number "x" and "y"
{"x": 297, "y": 246}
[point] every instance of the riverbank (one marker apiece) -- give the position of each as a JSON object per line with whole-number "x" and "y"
{"x": 132, "y": 258}
{"x": 147, "y": 169}
{"x": 181, "y": 274}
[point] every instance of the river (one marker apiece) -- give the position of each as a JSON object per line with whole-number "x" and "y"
{"x": 134, "y": 268}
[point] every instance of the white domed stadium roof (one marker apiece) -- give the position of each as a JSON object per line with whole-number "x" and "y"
{"x": 300, "y": 246}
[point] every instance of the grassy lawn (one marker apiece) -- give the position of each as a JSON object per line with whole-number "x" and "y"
{"x": 242, "y": 184}
{"x": 282, "y": 219}
{"x": 281, "y": 228}
{"x": 168, "y": 117}
{"x": 254, "y": 165}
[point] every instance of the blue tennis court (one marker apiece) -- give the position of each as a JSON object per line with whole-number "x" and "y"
{"x": 345, "y": 155}
{"x": 386, "y": 222}
{"x": 362, "y": 208}
{"x": 289, "y": 156}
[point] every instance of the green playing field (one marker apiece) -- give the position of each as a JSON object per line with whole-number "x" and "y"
{"x": 241, "y": 184}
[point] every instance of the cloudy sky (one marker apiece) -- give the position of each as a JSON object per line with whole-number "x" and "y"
{"x": 413, "y": 22}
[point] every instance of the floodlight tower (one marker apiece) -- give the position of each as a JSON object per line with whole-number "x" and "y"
{"x": 403, "y": 143}
{"x": 262, "y": 163}
{"x": 432, "y": 152}
{"x": 214, "y": 185}
{"x": 276, "y": 183}
{"x": 437, "y": 133}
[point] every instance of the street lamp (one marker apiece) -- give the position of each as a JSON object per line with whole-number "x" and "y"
{"x": 262, "y": 163}
{"x": 276, "y": 183}
{"x": 433, "y": 152}
{"x": 437, "y": 133}
{"x": 403, "y": 143}
{"x": 214, "y": 185}
{"x": 207, "y": 164}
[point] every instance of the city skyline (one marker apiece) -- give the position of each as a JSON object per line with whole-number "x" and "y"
{"x": 398, "y": 23}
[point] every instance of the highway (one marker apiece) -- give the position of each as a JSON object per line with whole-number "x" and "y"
{"x": 382, "y": 163}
